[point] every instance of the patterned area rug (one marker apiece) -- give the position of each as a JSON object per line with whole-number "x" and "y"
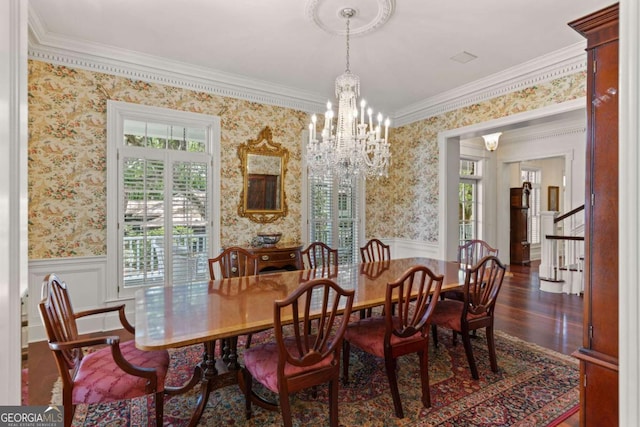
{"x": 533, "y": 387}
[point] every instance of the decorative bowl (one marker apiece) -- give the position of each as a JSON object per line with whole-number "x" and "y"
{"x": 269, "y": 239}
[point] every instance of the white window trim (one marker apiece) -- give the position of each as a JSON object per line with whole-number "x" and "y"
{"x": 117, "y": 112}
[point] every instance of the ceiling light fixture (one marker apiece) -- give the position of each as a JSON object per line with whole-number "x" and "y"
{"x": 491, "y": 140}
{"x": 352, "y": 147}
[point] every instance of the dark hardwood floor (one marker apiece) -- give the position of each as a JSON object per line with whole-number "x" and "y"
{"x": 550, "y": 320}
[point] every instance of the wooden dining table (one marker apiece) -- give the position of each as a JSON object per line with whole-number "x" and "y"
{"x": 205, "y": 312}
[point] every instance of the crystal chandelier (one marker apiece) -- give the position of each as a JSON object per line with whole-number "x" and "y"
{"x": 353, "y": 146}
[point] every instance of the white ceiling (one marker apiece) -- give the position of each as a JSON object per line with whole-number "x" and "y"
{"x": 274, "y": 42}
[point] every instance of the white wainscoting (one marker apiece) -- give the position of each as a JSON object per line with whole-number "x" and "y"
{"x": 406, "y": 248}
{"x": 86, "y": 279}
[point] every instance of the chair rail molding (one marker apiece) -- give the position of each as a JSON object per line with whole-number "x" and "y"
{"x": 86, "y": 278}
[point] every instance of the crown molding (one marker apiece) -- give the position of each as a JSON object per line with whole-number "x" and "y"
{"x": 54, "y": 49}
{"x": 58, "y": 50}
{"x": 560, "y": 63}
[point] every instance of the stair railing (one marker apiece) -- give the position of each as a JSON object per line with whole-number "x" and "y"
{"x": 563, "y": 248}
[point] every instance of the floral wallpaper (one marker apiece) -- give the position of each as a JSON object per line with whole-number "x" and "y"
{"x": 67, "y": 164}
{"x": 67, "y": 156}
{"x": 406, "y": 204}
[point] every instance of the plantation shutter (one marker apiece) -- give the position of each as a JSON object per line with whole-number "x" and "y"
{"x": 321, "y": 209}
{"x": 143, "y": 248}
{"x": 166, "y": 205}
{"x": 348, "y": 222}
{"x": 333, "y": 215}
{"x": 189, "y": 221}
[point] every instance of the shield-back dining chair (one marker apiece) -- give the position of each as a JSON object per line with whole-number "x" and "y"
{"x": 233, "y": 262}
{"x": 406, "y": 331}
{"x": 476, "y": 310}
{"x": 300, "y": 357}
{"x": 374, "y": 251}
{"x": 469, "y": 253}
{"x": 319, "y": 255}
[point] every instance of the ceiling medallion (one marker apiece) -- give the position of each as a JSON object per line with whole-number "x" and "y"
{"x": 372, "y": 14}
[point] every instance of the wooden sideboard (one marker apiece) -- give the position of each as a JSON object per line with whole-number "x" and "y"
{"x": 278, "y": 258}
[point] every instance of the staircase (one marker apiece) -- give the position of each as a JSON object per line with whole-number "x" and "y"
{"x": 562, "y": 257}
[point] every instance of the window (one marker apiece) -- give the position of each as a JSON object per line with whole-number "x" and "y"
{"x": 534, "y": 176}
{"x": 334, "y": 215}
{"x": 468, "y": 200}
{"x": 160, "y": 196}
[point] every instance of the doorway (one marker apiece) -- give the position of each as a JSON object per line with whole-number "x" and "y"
{"x": 553, "y": 132}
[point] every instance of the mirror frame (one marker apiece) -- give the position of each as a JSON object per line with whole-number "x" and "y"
{"x": 262, "y": 145}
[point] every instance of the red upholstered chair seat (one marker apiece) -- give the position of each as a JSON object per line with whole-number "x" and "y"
{"x": 116, "y": 370}
{"x": 368, "y": 335}
{"x": 448, "y": 312}
{"x": 100, "y": 379}
{"x": 262, "y": 363}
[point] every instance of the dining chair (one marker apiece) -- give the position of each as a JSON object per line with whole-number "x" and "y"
{"x": 472, "y": 251}
{"x": 469, "y": 253}
{"x": 97, "y": 369}
{"x": 300, "y": 358}
{"x": 482, "y": 284}
{"x": 375, "y": 250}
{"x": 321, "y": 259}
{"x": 319, "y": 255}
{"x": 406, "y": 331}
{"x": 233, "y": 261}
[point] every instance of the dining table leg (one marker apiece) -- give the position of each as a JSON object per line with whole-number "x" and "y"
{"x": 209, "y": 372}
{"x": 208, "y": 376}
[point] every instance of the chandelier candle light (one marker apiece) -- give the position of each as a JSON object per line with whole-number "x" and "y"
{"x": 352, "y": 147}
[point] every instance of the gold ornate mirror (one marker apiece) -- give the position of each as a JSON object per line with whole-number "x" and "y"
{"x": 263, "y": 166}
